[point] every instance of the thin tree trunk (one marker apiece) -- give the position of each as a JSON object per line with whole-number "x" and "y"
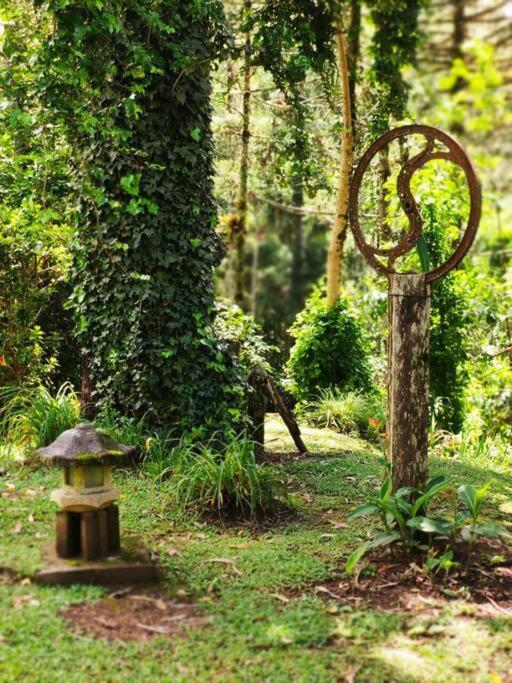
{"x": 241, "y": 204}
{"x": 297, "y": 291}
{"x": 339, "y": 230}
{"x": 354, "y": 48}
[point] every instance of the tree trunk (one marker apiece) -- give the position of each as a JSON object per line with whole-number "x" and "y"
{"x": 354, "y": 46}
{"x": 339, "y": 230}
{"x": 241, "y": 224}
{"x": 297, "y": 290}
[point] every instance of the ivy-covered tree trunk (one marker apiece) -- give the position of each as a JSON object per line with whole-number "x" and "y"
{"x": 132, "y": 80}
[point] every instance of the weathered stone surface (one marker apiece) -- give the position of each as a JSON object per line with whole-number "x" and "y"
{"x": 408, "y": 389}
{"x": 85, "y": 444}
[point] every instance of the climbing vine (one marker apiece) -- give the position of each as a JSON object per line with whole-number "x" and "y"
{"x": 130, "y": 80}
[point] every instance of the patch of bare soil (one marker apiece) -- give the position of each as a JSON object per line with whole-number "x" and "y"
{"x": 398, "y": 586}
{"x": 134, "y": 615}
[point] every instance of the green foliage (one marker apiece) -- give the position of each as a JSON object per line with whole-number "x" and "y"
{"x": 34, "y": 190}
{"x": 34, "y": 417}
{"x": 393, "y": 46}
{"x": 348, "y": 413}
{"x": 330, "y": 351}
{"x": 403, "y": 520}
{"x": 131, "y": 83}
{"x": 240, "y": 331}
{"x": 225, "y": 482}
{"x": 449, "y": 323}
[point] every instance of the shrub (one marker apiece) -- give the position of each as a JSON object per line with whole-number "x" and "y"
{"x": 403, "y": 523}
{"x": 330, "y": 350}
{"x": 346, "y": 413}
{"x": 34, "y": 416}
{"x": 228, "y": 481}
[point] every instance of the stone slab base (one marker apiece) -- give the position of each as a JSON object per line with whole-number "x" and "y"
{"x": 131, "y": 565}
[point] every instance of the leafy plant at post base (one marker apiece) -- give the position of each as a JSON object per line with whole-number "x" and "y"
{"x": 131, "y": 81}
{"x": 34, "y": 416}
{"x": 404, "y": 523}
{"x": 330, "y": 350}
{"x": 345, "y": 412}
{"x": 224, "y": 481}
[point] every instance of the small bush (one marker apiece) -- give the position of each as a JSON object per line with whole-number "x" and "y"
{"x": 351, "y": 412}
{"x": 330, "y": 350}
{"x": 35, "y": 417}
{"x": 231, "y": 481}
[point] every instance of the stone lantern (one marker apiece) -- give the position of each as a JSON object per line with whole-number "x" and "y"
{"x": 88, "y": 519}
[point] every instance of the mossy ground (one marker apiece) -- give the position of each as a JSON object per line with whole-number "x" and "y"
{"x": 255, "y": 583}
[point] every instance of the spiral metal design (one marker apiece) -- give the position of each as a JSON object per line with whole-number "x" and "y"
{"x": 454, "y": 153}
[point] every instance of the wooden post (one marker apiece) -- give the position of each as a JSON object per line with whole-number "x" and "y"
{"x": 408, "y": 389}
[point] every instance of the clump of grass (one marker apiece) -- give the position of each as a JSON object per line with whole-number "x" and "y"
{"x": 34, "y": 417}
{"x": 224, "y": 481}
{"x": 348, "y": 413}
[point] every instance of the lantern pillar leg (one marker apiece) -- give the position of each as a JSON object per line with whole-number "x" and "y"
{"x": 408, "y": 379}
{"x": 114, "y": 535}
{"x": 67, "y": 534}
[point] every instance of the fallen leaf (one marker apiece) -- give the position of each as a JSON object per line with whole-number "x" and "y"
{"x": 226, "y": 560}
{"x": 25, "y": 600}
{"x": 339, "y": 525}
{"x": 282, "y": 598}
{"x": 154, "y": 629}
{"x": 107, "y": 624}
{"x": 329, "y": 536}
{"x": 323, "y": 589}
{"x": 18, "y": 528}
{"x": 31, "y": 518}
{"x": 26, "y": 582}
{"x": 350, "y": 674}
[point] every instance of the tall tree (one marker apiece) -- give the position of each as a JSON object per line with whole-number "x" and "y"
{"x": 131, "y": 80}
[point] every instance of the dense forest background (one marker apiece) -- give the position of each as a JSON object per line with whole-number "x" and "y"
{"x": 299, "y": 89}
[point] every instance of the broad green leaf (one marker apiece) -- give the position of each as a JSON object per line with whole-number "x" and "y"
{"x": 491, "y": 530}
{"x": 355, "y": 557}
{"x": 430, "y": 525}
{"x": 385, "y": 489}
{"x": 384, "y": 538}
{"x": 427, "y": 496}
{"x": 435, "y": 481}
{"x": 405, "y": 491}
{"x": 362, "y": 510}
{"x": 424, "y": 254}
{"x": 467, "y": 494}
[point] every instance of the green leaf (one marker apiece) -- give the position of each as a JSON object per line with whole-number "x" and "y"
{"x": 424, "y": 254}
{"x": 435, "y": 481}
{"x": 405, "y": 491}
{"x": 384, "y": 538}
{"x": 362, "y": 510}
{"x": 355, "y": 557}
{"x": 131, "y": 183}
{"x": 467, "y": 494}
{"x": 491, "y": 530}
{"x": 431, "y": 525}
{"x": 385, "y": 489}
{"x": 427, "y": 496}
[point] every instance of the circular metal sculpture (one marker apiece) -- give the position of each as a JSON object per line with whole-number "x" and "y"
{"x": 454, "y": 153}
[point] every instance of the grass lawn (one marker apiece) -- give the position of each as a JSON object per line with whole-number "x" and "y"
{"x": 261, "y": 589}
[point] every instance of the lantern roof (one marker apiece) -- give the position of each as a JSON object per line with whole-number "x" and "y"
{"x": 85, "y": 445}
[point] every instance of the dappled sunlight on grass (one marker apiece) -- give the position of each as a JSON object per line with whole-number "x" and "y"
{"x": 318, "y": 441}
